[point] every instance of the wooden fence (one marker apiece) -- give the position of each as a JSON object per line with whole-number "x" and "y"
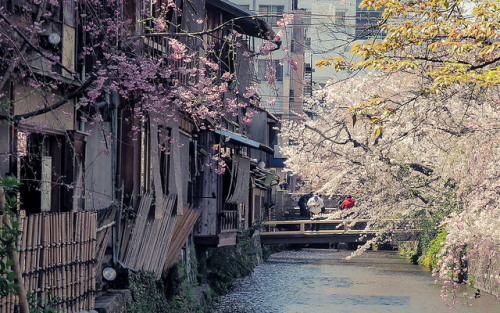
{"x": 149, "y": 242}
{"x": 57, "y": 254}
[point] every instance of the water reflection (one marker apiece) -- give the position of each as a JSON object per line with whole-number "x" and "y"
{"x": 321, "y": 280}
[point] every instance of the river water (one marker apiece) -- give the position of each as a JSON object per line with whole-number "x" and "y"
{"x": 323, "y": 281}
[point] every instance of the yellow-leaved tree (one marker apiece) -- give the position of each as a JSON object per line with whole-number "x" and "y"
{"x": 447, "y": 41}
{"x": 421, "y": 134}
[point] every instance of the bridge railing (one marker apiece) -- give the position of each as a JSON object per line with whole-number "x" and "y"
{"x": 330, "y": 226}
{"x": 334, "y": 226}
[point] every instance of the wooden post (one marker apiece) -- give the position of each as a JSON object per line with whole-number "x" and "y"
{"x": 64, "y": 248}
{"x": 23, "y": 300}
{"x": 44, "y": 255}
{"x": 35, "y": 253}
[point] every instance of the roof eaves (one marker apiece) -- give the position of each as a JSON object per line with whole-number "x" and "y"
{"x": 247, "y": 20}
{"x": 244, "y": 140}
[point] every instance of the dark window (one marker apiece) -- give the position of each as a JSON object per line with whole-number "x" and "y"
{"x": 41, "y": 167}
{"x": 279, "y": 70}
{"x": 340, "y": 18}
{"x": 308, "y": 42}
{"x": 264, "y": 68}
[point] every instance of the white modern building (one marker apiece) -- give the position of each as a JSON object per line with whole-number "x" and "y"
{"x": 320, "y": 29}
{"x": 333, "y": 27}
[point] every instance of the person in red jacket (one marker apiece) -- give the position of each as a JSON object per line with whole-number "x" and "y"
{"x": 348, "y": 203}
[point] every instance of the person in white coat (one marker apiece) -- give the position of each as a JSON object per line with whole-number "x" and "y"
{"x": 315, "y": 204}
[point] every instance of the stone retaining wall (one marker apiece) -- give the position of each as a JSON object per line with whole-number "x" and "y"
{"x": 486, "y": 271}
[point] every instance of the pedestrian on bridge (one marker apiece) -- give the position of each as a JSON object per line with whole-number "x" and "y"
{"x": 304, "y": 212}
{"x": 348, "y": 203}
{"x": 315, "y": 204}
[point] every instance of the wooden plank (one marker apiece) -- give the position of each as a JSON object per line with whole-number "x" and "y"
{"x": 93, "y": 263}
{"x": 144, "y": 247}
{"x": 36, "y": 236}
{"x": 156, "y": 239}
{"x": 134, "y": 239}
{"x": 137, "y": 232}
{"x": 52, "y": 251}
{"x": 64, "y": 245}
{"x": 69, "y": 255}
{"x": 44, "y": 273}
{"x": 180, "y": 234}
{"x": 104, "y": 218}
{"x": 22, "y": 250}
{"x": 155, "y": 158}
{"x": 125, "y": 231}
{"x": 161, "y": 235}
{"x": 82, "y": 260}
{"x": 168, "y": 233}
{"x": 77, "y": 256}
{"x": 3, "y": 300}
{"x": 156, "y": 264}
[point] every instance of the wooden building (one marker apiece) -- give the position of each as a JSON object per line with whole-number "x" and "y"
{"x": 139, "y": 184}
{"x": 228, "y": 202}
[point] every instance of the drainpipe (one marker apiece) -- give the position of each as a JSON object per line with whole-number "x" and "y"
{"x": 114, "y": 169}
{"x": 196, "y": 171}
{"x": 116, "y": 243}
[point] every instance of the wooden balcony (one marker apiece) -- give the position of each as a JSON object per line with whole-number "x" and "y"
{"x": 227, "y": 225}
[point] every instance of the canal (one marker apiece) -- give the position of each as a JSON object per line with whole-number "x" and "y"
{"x": 323, "y": 281}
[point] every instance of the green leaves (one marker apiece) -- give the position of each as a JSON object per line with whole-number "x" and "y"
{"x": 9, "y": 235}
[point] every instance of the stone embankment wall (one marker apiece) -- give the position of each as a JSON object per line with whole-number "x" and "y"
{"x": 485, "y": 271}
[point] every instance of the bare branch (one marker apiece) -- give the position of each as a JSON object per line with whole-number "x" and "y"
{"x": 54, "y": 106}
{"x": 27, "y": 42}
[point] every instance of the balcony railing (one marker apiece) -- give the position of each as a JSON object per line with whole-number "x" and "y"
{"x": 228, "y": 221}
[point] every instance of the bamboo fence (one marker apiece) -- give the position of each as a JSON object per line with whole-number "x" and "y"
{"x": 183, "y": 227}
{"x": 150, "y": 240}
{"x": 57, "y": 254}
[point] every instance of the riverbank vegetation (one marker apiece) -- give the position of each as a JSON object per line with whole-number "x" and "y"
{"x": 415, "y": 134}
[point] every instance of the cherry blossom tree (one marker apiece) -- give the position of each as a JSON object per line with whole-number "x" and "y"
{"x": 155, "y": 62}
{"x": 418, "y": 137}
